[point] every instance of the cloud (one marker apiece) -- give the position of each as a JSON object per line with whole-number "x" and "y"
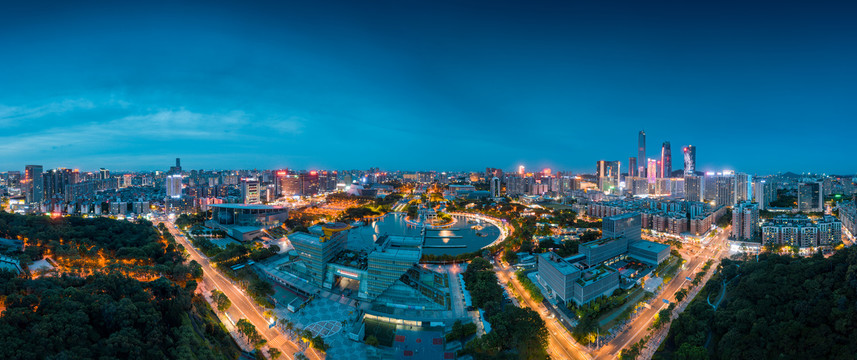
{"x": 12, "y": 113}
{"x": 292, "y": 125}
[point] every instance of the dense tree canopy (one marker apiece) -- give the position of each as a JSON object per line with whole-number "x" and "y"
{"x": 778, "y": 307}
{"x": 135, "y": 300}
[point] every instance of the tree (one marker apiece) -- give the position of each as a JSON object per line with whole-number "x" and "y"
{"x": 221, "y": 300}
{"x": 680, "y": 295}
{"x": 371, "y": 340}
{"x": 274, "y": 353}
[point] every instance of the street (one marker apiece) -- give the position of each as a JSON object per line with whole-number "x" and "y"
{"x": 560, "y": 343}
{"x": 716, "y": 249}
{"x": 240, "y": 301}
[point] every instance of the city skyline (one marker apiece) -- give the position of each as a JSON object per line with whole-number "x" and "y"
{"x": 231, "y": 86}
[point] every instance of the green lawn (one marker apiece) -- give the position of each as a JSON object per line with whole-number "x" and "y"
{"x": 610, "y": 319}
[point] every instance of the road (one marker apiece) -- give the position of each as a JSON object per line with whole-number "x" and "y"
{"x": 560, "y": 343}
{"x": 716, "y": 250}
{"x": 240, "y": 301}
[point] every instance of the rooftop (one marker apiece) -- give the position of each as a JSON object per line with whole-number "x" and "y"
{"x": 247, "y": 206}
{"x": 649, "y": 246}
{"x": 594, "y": 274}
{"x": 560, "y": 264}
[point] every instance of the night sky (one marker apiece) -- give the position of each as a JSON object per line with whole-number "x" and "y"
{"x": 404, "y": 84}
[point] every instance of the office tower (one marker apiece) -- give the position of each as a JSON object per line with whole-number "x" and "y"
{"x": 693, "y": 188}
{"x": 174, "y": 186}
{"x": 725, "y": 187}
{"x": 809, "y": 197}
{"x": 652, "y": 171}
{"x": 521, "y": 170}
{"x": 632, "y": 167}
{"x": 666, "y": 168}
{"x": 290, "y": 184}
{"x": 745, "y": 220}
{"x": 626, "y": 225}
{"x": 34, "y": 184}
{"x": 309, "y": 183}
{"x": 251, "y": 191}
{"x": 641, "y": 154}
{"x": 103, "y": 174}
{"x": 608, "y": 174}
{"x": 764, "y": 192}
{"x": 495, "y": 187}
{"x": 176, "y": 169}
{"x": 689, "y": 160}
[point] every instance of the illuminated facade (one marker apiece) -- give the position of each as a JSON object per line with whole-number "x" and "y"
{"x": 689, "y": 160}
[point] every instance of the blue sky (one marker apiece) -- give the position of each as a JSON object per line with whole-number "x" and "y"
{"x": 757, "y": 87}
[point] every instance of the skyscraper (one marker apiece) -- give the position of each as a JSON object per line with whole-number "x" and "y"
{"x": 689, "y": 160}
{"x": 34, "y": 183}
{"x": 641, "y": 154}
{"x": 764, "y": 191}
{"x": 693, "y": 188}
{"x": 725, "y": 187}
{"x": 632, "y": 167}
{"x": 666, "y": 160}
{"x": 251, "y": 191}
{"x": 495, "y": 187}
{"x": 743, "y": 184}
{"x": 174, "y": 186}
{"x": 608, "y": 174}
{"x": 652, "y": 171}
{"x": 745, "y": 221}
{"x": 809, "y": 197}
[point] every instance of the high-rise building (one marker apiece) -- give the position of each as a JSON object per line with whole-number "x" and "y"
{"x": 174, "y": 186}
{"x": 521, "y": 170}
{"x": 764, "y": 192}
{"x": 666, "y": 160}
{"x": 495, "y": 187}
{"x": 309, "y": 183}
{"x": 608, "y": 174}
{"x": 652, "y": 171}
{"x": 103, "y": 174}
{"x": 626, "y": 225}
{"x": 743, "y": 187}
{"x": 689, "y": 160}
{"x": 693, "y": 188}
{"x": 632, "y": 167}
{"x": 57, "y": 181}
{"x": 745, "y": 221}
{"x": 809, "y": 197}
{"x": 251, "y": 191}
{"x": 725, "y": 185}
{"x": 33, "y": 183}
{"x": 641, "y": 154}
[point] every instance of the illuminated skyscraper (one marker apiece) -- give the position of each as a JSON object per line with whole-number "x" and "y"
{"x": 689, "y": 160}
{"x": 743, "y": 186}
{"x": 495, "y": 187}
{"x": 632, "y": 167}
{"x": 251, "y": 191}
{"x": 521, "y": 170}
{"x": 33, "y": 183}
{"x": 666, "y": 168}
{"x": 608, "y": 175}
{"x": 174, "y": 186}
{"x": 652, "y": 171}
{"x": 641, "y": 154}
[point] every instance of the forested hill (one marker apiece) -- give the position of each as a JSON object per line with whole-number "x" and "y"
{"x": 779, "y": 307}
{"x": 121, "y": 291}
